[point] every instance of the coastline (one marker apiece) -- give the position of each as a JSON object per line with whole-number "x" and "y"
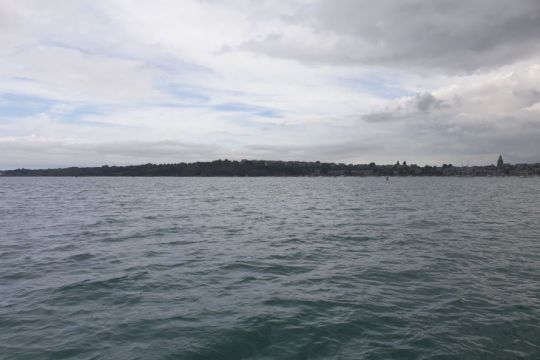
{"x": 272, "y": 168}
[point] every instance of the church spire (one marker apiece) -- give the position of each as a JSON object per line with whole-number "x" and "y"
{"x": 500, "y": 162}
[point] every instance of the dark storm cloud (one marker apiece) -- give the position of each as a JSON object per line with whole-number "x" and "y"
{"x": 445, "y": 35}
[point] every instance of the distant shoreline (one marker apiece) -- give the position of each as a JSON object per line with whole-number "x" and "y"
{"x": 272, "y": 168}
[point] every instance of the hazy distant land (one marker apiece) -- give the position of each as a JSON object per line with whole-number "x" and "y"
{"x": 284, "y": 168}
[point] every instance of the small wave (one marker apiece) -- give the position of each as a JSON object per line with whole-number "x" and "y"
{"x": 81, "y": 257}
{"x": 266, "y": 268}
{"x": 352, "y": 238}
{"x": 90, "y": 286}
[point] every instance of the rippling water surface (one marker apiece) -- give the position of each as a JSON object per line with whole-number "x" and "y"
{"x": 269, "y": 268}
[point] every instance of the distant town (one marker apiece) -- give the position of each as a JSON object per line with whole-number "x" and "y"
{"x": 285, "y": 168}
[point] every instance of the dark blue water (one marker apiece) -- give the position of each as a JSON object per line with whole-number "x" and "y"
{"x": 269, "y": 268}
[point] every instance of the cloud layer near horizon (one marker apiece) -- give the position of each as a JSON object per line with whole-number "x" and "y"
{"x": 125, "y": 82}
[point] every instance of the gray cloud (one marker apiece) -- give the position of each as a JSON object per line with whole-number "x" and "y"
{"x": 457, "y": 145}
{"x": 335, "y": 152}
{"x": 426, "y": 102}
{"x": 383, "y": 116}
{"x": 35, "y": 153}
{"x": 414, "y": 107}
{"x": 447, "y": 35}
{"x": 494, "y": 114}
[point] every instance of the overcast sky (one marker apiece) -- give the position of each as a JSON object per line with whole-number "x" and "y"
{"x": 129, "y": 82}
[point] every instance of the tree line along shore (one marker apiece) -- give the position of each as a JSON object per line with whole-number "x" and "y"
{"x": 284, "y": 168}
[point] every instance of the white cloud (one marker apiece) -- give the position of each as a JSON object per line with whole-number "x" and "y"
{"x": 281, "y": 79}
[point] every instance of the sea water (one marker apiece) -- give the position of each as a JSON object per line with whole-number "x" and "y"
{"x": 269, "y": 268}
